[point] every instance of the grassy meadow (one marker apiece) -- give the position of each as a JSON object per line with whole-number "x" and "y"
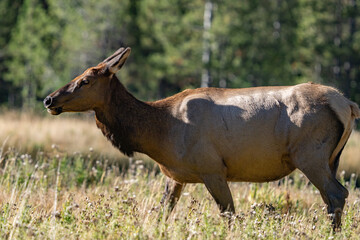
{"x": 60, "y": 179}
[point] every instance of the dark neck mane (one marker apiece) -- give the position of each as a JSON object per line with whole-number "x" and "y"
{"x": 123, "y": 119}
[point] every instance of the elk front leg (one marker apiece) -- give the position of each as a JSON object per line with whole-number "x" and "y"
{"x": 171, "y": 195}
{"x": 219, "y": 190}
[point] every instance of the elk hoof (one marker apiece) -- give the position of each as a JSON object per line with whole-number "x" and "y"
{"x": 337, "y": 219}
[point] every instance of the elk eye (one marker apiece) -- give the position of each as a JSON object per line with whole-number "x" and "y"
{"x": 84, "y": 82}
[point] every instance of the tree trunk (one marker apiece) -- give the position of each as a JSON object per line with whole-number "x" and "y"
{"x": 350, "y": 63}
{"x": 208, "y": 14}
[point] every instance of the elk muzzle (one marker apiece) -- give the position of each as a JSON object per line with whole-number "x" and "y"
{"x": 48, "y": 101}
{"x": 48, "y": 104}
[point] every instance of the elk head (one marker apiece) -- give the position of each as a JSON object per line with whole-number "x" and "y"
{"x": 90, "y": 89}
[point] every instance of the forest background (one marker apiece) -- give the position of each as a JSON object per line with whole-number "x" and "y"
{"x": 178, "y": 44}
{"x": 65, "y": 181}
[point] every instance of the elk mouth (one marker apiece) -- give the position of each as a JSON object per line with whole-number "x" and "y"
{"x": 55, "y": 111}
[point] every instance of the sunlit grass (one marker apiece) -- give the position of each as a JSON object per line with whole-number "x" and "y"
{"x": 350, "y": 158}
{"x": 31, "y": 133}
{"x": 70, "y": 192}
{"x": 82, "y": 197}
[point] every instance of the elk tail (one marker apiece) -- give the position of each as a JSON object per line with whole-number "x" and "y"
{"x": 347, "y": 111}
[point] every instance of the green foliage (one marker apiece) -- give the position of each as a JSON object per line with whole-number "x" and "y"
{"x": 29, "y": 49}
{"x": 255, "y": 42}
{"x": 46, "y": 43}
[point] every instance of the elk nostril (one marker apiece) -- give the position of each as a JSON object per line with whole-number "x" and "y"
{"x": 47, "y": 101}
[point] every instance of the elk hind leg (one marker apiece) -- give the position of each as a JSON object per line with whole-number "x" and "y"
{"x": 332, "y": 192}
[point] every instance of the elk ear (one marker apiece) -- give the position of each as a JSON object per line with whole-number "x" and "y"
{"x": 117, "y": 60}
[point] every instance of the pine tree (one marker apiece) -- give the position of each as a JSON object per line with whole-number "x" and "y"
{"x": 27, "y": 66}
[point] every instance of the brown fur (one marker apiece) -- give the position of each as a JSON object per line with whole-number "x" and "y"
{"x": 213, "y": 135}
{"x": 118, "y": 126}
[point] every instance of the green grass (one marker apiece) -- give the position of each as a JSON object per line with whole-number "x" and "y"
{"x": 83, "y": 196}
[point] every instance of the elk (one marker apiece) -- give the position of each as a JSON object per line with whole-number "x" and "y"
{"x": 215, "y": 135}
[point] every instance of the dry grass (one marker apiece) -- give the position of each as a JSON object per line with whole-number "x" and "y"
{"x": 54, "y": 194}
{"x": 29, "y": 133}
{"x": 126, "y": 206}
{"x": 350, "y": 158}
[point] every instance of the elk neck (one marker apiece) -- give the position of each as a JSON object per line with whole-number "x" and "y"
{"x": 130, "y": 124}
